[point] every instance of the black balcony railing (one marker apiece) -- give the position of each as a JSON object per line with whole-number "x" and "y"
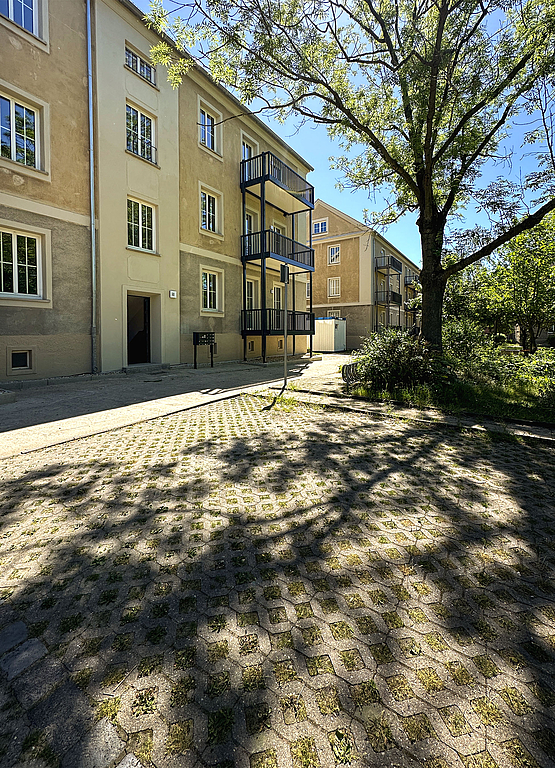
{"x": 268, "y": 167}
{"x": 388, "y": 297}
{"x": 410, "y": 279}
{"x": 277, "y": 246}
{"x": 298, "y": 323}
{"x": 389, "y": 262}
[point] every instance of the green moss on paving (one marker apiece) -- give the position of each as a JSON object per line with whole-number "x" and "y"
{"x": 487, "y": 711}
{"x": 430, "y": 680}
{"x": 515, "y": 701}
{"x": 379, "y": 734}
{"x": 365, "y": 693}
{"x": 399, "y": 687}
{"x": 265, "y": 759}
{"x": 455, "y": 721}
{"x": 313, "y": 636}
{"x": 180, "y": 738}
{"x": 328, "y": 701}
{"x": 418, "y": 727}
{"x": 486, "y": 665}
{"x": 304, "y": 754}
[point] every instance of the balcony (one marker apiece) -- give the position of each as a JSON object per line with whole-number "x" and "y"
{"x": 268, "y": 167}
{"x": 298, "y": 323}
{"x": 389, "y": 297}
{"x": 389, "y": 264}
{"x": 274, "y": 245}
{"x": 411, "y": 279}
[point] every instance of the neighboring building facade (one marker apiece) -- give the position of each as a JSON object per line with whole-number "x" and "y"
{"x": 359, "y": 275}
{"x": 171, "y": 206}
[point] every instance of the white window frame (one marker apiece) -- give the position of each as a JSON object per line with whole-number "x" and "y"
{"x": 41, "y": 169}
{"x": 140, "y": 65}
{"x": 35, "y": 16}
{"x": 334, "y": 313}
{"x": 218, "y": 275}
{"x": 308, "y": 289}
{"x": 334, "y": 284}
{"x": 145, "y": 147}
{"x": 277, "y": 291}
{"x": 12, "y": 105}
{"x": 213, "y": 146}
{"x": 253, "y": 298}
{"x": 142, "y": 212}
{"x": 316, "y": 227}
{"x": 206, "y": 192}
{"x": 9, "y": 240}
{"x": 334, "y": 255}
{"x": 42, "y": 299}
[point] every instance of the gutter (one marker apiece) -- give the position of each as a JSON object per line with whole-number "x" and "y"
{"x": 92, "y": 191}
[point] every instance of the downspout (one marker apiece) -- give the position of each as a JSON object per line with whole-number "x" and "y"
{"x": 94, "y": 365}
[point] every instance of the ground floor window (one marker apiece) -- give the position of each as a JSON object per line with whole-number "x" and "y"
{"x": 20, "y": 267}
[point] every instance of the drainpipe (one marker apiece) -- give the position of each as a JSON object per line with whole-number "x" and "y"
{"x": 94, "y": 365}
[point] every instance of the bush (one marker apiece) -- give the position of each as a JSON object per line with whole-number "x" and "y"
{"x": 464, "y": 340}
{"x": 550, "y": 341}
{"x": 499, "y": 339}
{"x": 392, "y": 359}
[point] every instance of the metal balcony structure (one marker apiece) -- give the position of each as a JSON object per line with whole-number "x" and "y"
{"x": 411, "y": 279}
{"x": 281, "y": 189}
{"x": 389, "y": 264}
{"x": 389, "y": 297}
{"x": 298, "y": 323}
{"x": 274, "y": 245}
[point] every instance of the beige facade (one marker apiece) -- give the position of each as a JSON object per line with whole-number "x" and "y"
{"x": 359, "y": 275}
{"x": 170, "y": 210}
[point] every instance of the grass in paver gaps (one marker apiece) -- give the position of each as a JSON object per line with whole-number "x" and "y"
{"x": 272, "y": 593}
{"x": 400, "y": 592}
{"x": 186, "y": 629}
{"x": 108, "y": 708}
{"x": 378, "y": 597}
{"x": 460, "y": 673}
{"x": 145, "y": 702}
{"x": 114, "y": 675}
{"x": 487, "y": 711}
{"x": 479, "y": 760}
{"x": 217, "y": 651}
{"x": 518, "y": 754}
{"x": 281, "y": 640}
{"x": 142, "y": 745}
{"x": 187, "y": 604}
{"x": 37, "y": 628}
{"x": 327, "y": 699}
{"x": 123, "y": 642}
{"x": 435, "y": 641}
{"x": 277, "y": 615}
{"x": 313, "y": 636}
{"x": 296, "y": 588}
{"x": 217, "y": 623}
{"x": 436, "y": 762}
{"x": 185, "y": 657}
{"x": 150, "y": 664}
{"x": 440, "y": 610}
{"x": 461, "y": 635}
{"x": 319, "y": 665}
{"x": 71, "y": 623}
{"x": 515, "y": 701}
{"x": 546, "y": 739}
{"x": 340, "y": 630}
{"x": 179, "y": 695}
{"x": 542, "y": 692}
{"x": 429, "y": 678}
{"x": 293, "y": 708}
{"x": 304, "y": 754}
{"x": 248, "y": 644}
{"x": 352, "y": 660}
{"x": 304, "y": 611}
{"x": 284, "y": 671}
{"x": 258, "y": 718}
{"x": 486, "y": 666}
{"x": 329, "y": 605}
{"x": 392, "y": 620}
{"x": 381, "y": 653}
{"x": 536, "y": 652}
{"x": 365, "y": 693}
{"x": 82, "y": 678}
{"x": 180, "y": 738}
{"x": 343, "y": 746}
{"x": 253, "y": 678}
{"x": 366, "y": 625}
{"x": 379, "y": 733}
{"x": 399, "y": 687}
{"x": 515, "y": 659}
{"x": 354, "y": 601}
{"x": 455, "y": 721}
{"x": 130, "y": 614}
{"x": 418, "y": 727}
{"x": 266, "y": 759}
{"x": 156, "y": 635}
{"x": 220, "y": 724}
{"x": 91, "y": 646}
{"x": 218, "y": 684}
{"x": 36, "y": 747}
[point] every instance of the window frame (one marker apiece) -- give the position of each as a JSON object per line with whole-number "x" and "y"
{"x": 35, "y": 14}
{"x": 140, "y": 227}
{"x": 208, "y": 109}
{"x": 254, "y": 297}
{"x": 335, "y": 313}
{"x": 333, "y": 281}
{"x": 140, "y": 60}
{"x": 319, "y": 222}
{"x": 218, "y": 232}
{"x": 218, "y": 274}
{"x": 43, "y": 238}
{"x": 308, "y": 289}
{"x": 334, "y": 258}
{"x": 141, "y": 141}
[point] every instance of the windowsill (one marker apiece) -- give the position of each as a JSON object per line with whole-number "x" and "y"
{"x": 27, "y": 170}
{"x": 30, "y": 37}
{"x": 24, "y": 302}
{"x": 209, "y": 233}
{"x": 152, "y": 85}
{"x": 211, "y": 312}
{"x": 335, "y": 263}
{"x": 141, "y": 250}
{"x": 211, "y": 152}
{"x": 140, "y": 157}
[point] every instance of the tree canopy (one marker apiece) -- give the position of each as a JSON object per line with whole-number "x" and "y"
{"x": 420, "y": 93}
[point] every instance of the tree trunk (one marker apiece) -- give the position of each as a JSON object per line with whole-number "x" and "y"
{"x": 432, "y": 280}
{"x": 532, "y": 335}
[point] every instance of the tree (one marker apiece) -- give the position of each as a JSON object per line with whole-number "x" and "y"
{"x": 426, "y": 89}
{"x": 526, "y": 279}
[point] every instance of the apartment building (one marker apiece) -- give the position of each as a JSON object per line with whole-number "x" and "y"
{"x": 359, "y": 275}
{"x": 196, "y": 205}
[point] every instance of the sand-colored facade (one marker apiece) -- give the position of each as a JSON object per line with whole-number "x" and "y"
{"x": 155, "y": 173}
{"x": 359, "y": 275}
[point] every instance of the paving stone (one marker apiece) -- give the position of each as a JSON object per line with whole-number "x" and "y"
{"x": 12, "y": 635}
{"x": 129, "y": 761}
{"x": 65, "y": 716}
{"x": 17, "y": 661}
{"x": 100, "y": 747}
{"x": 34, "y": 684}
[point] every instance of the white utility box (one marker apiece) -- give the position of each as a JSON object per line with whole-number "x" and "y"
{"x": 330, "y": 334}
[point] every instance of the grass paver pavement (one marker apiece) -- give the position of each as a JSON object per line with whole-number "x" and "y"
{"x": 300, "y": 586}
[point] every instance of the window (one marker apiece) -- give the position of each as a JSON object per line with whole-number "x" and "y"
{"x": 308, "y": 290}
{"x": 250, "y": 346}
{"x": 139, "y": 65}
{"x": 18, "y": 132}
{"x": 277, "y": 296}
{"x": 334, "y": 313}
{"x": 22, "y": 12}
{"x": 210, "y": 290}
{"x": 247, "y": 150}
{"x": 140, "y": 225}
{"x": 251, "y": 294}
{"x": 21, "y": 360}
{"x": 207, "y": 129}
{"x": 208, "y": 211}
{"x": 320, "y": 227}
{"x": 333, "y": 254}
{"x": 334, "y": 286}
{"x": 20, "y": 264}
{"x": 140, "y": 134}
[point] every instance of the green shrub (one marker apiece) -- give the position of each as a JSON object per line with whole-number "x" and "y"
{"x": 464, "y": 340}
{"x": 393, "y": 358}
{"x": 499, "y": 338}
{"x": 550, "y": 341}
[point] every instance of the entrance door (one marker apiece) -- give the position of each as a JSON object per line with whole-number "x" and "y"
{"x": 138, "y": 329}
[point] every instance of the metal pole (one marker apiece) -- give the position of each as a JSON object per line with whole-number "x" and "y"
{"x": 285, "y": 339}
{"x": 92, "y": 193}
